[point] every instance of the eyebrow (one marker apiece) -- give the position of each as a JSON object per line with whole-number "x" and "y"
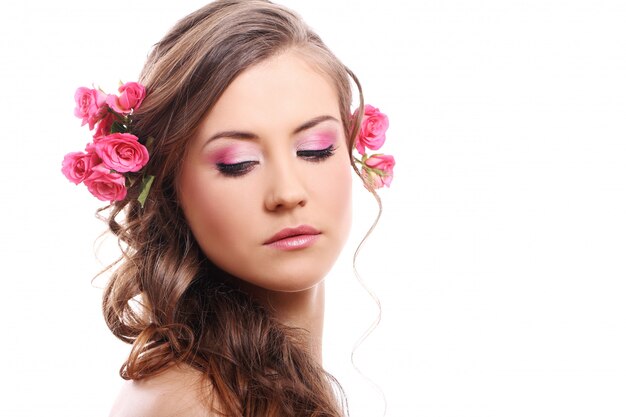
{"x": 236, "y": 134}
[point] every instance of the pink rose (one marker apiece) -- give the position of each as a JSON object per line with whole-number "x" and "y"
{"x": 90, "y": 105}
{"x": 121, "y": 152}
{"x": 77, "y": 166}
{"x": 132, "y": 94}
{"x": 373, "y": 128}
{"x": 104, "y": 126}
{"x": 106, "y": 185}
{"x": 378, "y": 170}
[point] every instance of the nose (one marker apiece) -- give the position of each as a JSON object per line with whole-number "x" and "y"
{"x": 286, "y": 188}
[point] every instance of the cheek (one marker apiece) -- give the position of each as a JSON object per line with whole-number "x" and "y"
{"x": 336, "y": 193}
{"x": 212, "y": 213}
{"x": 344, "y": 197}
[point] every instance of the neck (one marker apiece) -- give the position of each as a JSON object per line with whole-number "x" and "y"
{"x": 302, "y": 309}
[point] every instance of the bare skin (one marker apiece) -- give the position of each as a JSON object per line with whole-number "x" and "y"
{"x": 182, "y": 391}
{"x": 175, "y": 392}
{"x": 302, "y": 309}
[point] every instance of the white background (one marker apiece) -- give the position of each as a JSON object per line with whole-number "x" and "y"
{"x": 499, "y": 259}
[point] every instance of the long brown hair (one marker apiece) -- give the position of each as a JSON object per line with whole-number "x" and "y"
{"x": 165, "y": 297}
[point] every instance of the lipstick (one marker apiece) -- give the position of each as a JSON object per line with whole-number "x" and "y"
{"x": 294, "y": 238}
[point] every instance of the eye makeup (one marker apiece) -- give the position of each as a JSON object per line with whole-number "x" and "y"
{"x": 317, "y": 142}
{"x": 317, "y": 147}
{"x": 234, "y": 160}
{"x": 233, "y": 154}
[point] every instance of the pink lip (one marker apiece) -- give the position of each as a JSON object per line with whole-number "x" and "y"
{"x": 294, "y": 238}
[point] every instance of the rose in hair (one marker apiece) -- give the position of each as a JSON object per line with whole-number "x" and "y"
{"x": 104, "y": 126}
{"x": 131, "y": 96}
{"x": 106, "y": 185}
{"x": 121, "y": 152}
{"x": 378, "y": 170}
{"x": 77, "y": 166}
{"x": 373, "y": 128}
{"x": 90, "y": 105}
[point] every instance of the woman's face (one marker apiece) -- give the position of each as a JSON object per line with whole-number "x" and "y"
{"x": 271, "y": 155}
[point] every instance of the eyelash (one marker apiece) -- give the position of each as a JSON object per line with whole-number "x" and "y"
{"x": 242, "y": 168}
{"x": 317, "y": 155}
{"x": 236, "y": 170}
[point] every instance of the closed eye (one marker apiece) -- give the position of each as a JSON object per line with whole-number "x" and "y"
{"x": 236, "y": 170}
{"x": 242, "y": 168}
{"x": 317, "y": 155}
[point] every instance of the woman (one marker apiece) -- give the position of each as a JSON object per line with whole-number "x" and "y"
{"x": 237, "y": 204}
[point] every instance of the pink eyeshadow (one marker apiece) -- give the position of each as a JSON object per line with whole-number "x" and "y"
{"x": 317, "y": 142}
{"x": 232, "y": 155}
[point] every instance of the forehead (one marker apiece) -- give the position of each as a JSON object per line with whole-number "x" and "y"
{"x": 280, "y": 92}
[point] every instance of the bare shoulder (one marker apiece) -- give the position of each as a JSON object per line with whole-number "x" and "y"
{"x": 178, "y": 391}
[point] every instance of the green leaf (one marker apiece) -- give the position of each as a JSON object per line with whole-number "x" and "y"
{"x": 146, "y": 183}
{"x": 118, "y": 127}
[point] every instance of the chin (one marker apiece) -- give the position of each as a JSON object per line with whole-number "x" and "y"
{"x": 297, "y": 287}
{"x": 289, "y": 284}
{"x": 291, "y": 280}
{"x": 288, "y": 273}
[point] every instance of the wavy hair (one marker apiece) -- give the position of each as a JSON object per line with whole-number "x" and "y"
{"x": 165, "y": 297}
